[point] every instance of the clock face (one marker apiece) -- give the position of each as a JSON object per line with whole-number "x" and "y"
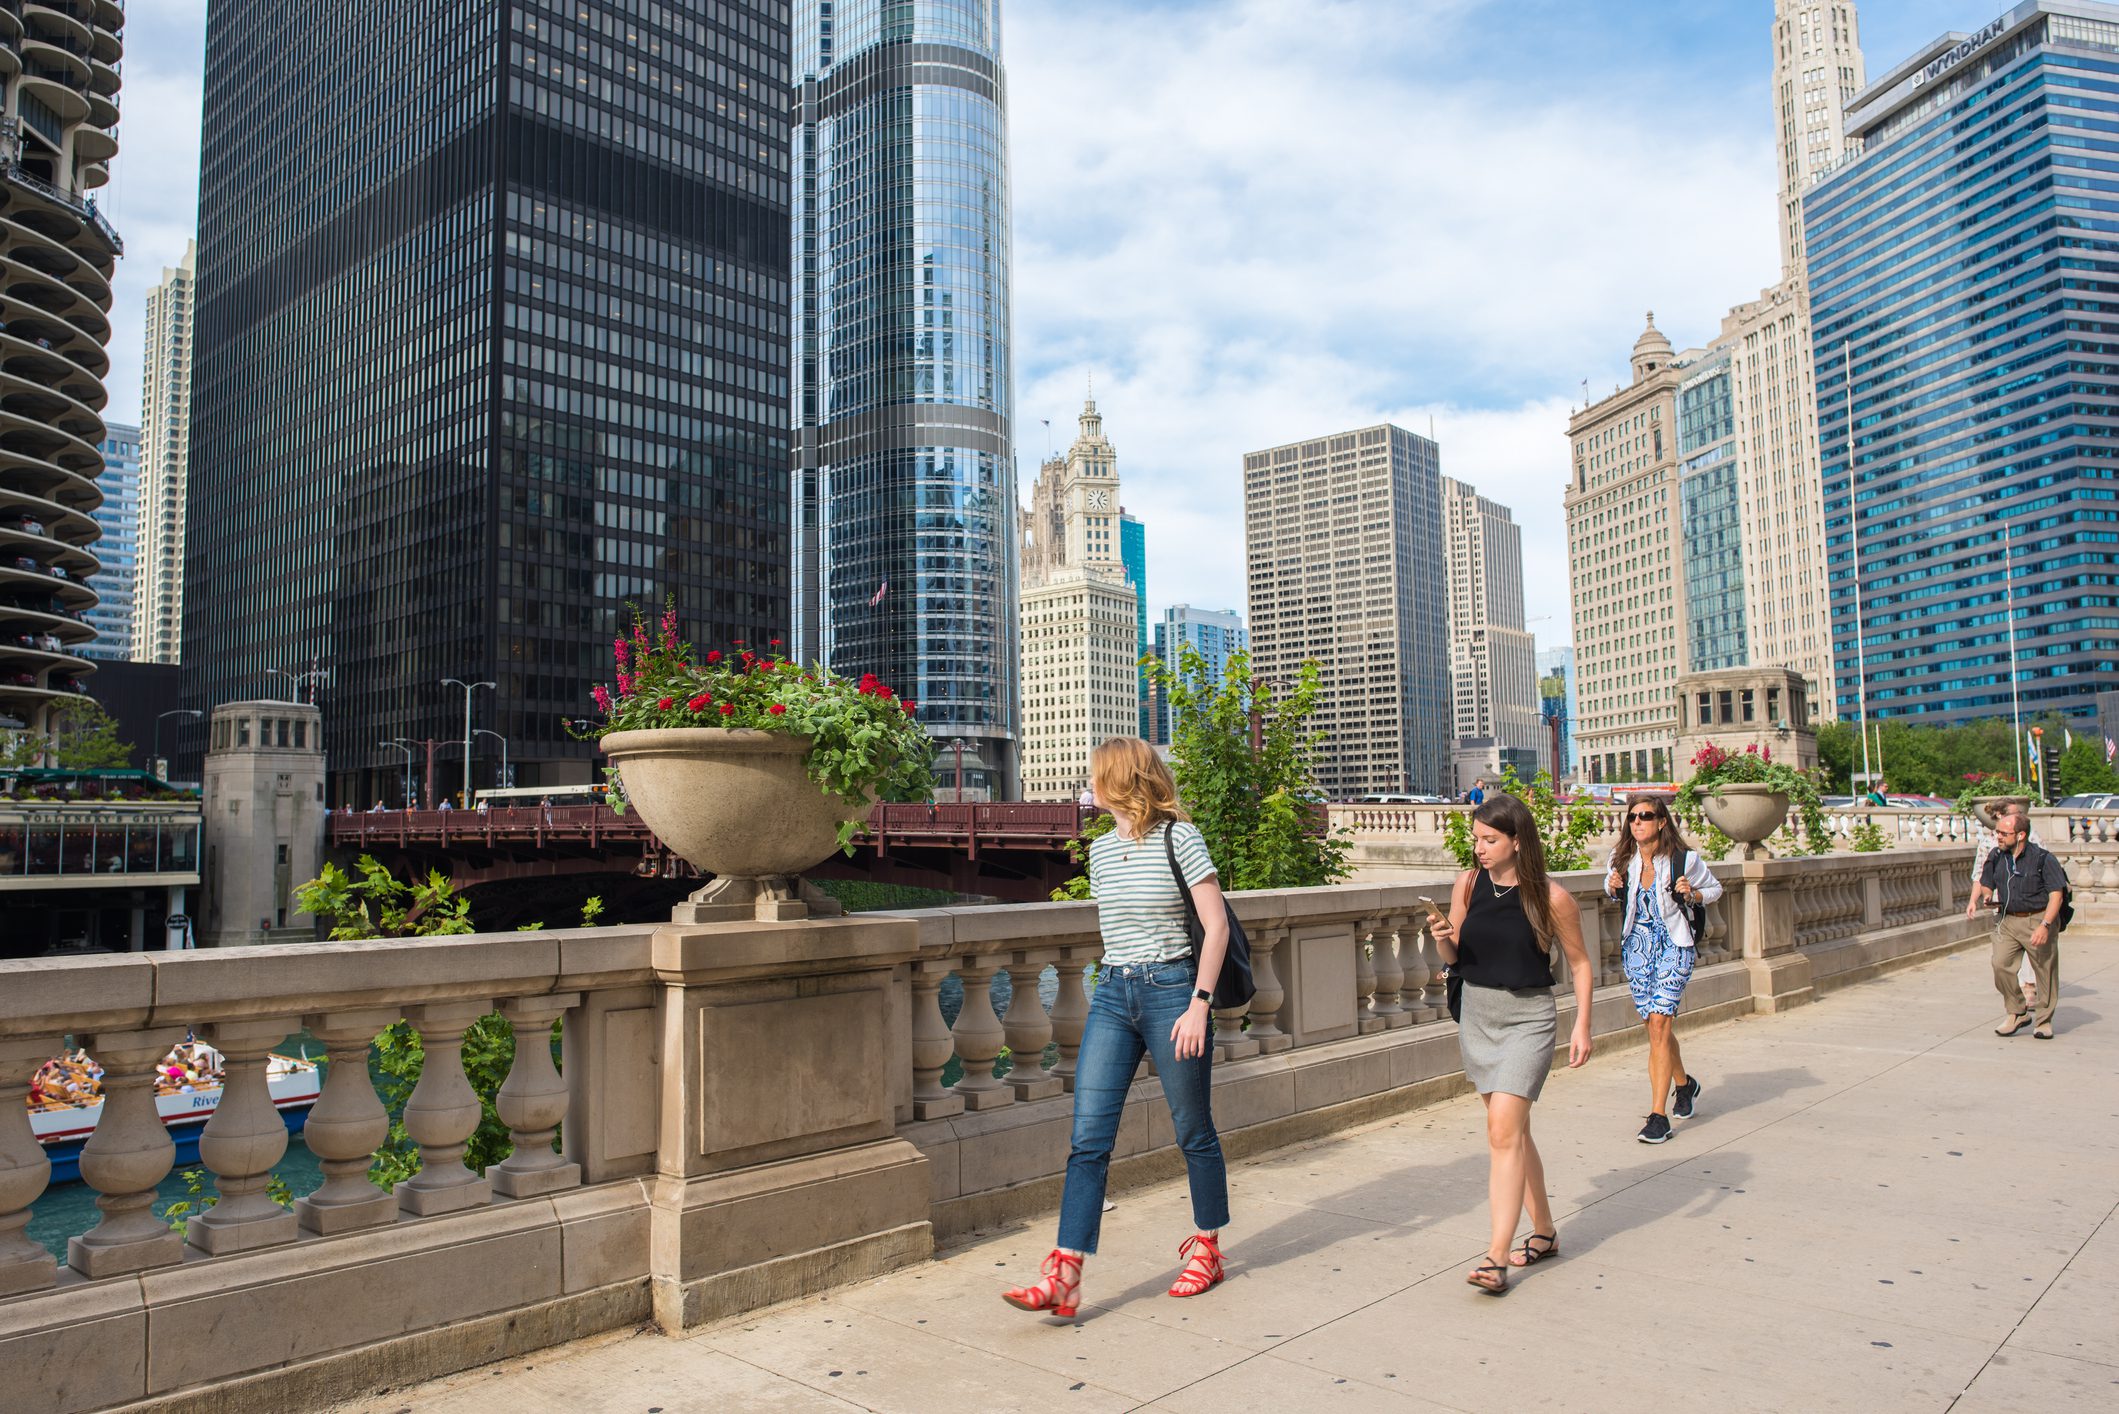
{"x": 1099, "y": 500}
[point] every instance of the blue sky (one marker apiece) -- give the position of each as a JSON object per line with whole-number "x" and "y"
{"x": 1260, "y": 220}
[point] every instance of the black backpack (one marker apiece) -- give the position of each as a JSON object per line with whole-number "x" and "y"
{"x": 1234, "y": 987}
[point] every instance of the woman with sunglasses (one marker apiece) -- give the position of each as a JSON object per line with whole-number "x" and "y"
{"x": 1659, "y": 878}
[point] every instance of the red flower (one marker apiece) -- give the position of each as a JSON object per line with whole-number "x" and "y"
{"x": 737, "y": 642}
{"x": 776, "y": 709}
{"x": 666, "y": 703}
{"x": 911, "y": 706}
{"x": 728, "y": 709}
{"x": 603, "y": 697}
{"x": 776, "y": 643}
{"x": 701, "y": 702}
{"x": 713, "y": 655}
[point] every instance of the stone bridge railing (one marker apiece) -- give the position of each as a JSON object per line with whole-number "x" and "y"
{"x": 747, "y": 1112}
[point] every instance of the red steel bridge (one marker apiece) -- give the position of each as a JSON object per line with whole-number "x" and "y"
{"x": 1014, "y": 850}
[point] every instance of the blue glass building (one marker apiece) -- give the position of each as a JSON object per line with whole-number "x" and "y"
{"x": 117, "y": 545}
{"x": 904, "y": 479}
{"x": 1965, "y": 272}
{"x": 1556, "y": 666}
{"x": 1216, "y": 633}
{"x": 1133, "y": 553}
{"x": 1708, "y": 505}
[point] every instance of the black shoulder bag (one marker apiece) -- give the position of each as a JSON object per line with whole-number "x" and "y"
{"x": 1695, "y": 911}
{"x": 1234, "y": 987}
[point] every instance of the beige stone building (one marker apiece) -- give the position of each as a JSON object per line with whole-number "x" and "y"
{"x": 265, "y": 814}
{"x": 165, "y": 451}
{"x": 1624, "y": 553}
{"x": 1344, "y": 551}
{"x": 1493, "y": 658}
{"x": 1079, "y": 616}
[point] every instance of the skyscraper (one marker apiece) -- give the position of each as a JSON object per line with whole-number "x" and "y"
{"x": 494, "y": 349}
{"x": 904, "y": 496}
{"x": 1556, "y": 700}
{"x": 58, "y": 91}
{"x": 1080, "y": 617}
{"x": 1493, "y": 659}
{"x": 1344, "y": 550}
{"x": 165, "y": 440}
{"x": 1133, "y": 549}
{"x": 1968, "y": 306}
{"x": 117, "y": 545}
{"x": 1213, "y": 633}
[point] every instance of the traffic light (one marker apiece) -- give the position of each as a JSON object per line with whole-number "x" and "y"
{"x": 2049, "y": 772}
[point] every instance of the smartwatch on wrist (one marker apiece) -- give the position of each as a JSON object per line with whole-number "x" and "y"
{"x": 1203, "y": 995}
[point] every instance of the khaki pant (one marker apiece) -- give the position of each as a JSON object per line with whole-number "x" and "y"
{"x": 2012, "y": 943}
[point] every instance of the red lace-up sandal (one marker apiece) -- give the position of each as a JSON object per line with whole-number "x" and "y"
{"x": 1202, "y": 1271}
{"x": 1059, "y": 1294}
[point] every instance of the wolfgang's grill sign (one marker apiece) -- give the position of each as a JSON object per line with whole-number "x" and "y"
{"x": 1959, "y": 52}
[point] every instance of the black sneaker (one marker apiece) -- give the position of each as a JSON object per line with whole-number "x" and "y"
{"x": 1655, "y": 1131}
{"x": 1681, "y": 1107}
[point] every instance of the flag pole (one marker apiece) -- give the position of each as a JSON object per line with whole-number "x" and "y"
{"x": 2008, "y": 584}
{"x": 1861, "y": 662}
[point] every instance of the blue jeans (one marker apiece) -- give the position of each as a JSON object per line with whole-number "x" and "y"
{"x": 1133, "y": 1011}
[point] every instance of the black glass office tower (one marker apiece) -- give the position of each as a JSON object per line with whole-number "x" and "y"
{"x": 492, "y": 339}
{"x": 905, "y": 540}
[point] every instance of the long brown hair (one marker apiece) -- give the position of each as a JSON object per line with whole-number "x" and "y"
{"x": 1669, "y": 843}
{"x": 1512, "y": 817}
{"x": 1131, "y": 780}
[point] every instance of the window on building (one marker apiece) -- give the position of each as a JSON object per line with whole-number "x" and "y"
{"x": 1724, "y": 700}
{"x": 1748, "y": 706}
{"x": 242, "y": 731}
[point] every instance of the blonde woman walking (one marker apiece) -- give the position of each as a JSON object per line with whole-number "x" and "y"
{"x": 1153, "y": 996}
{"x": 1504, "y": 918}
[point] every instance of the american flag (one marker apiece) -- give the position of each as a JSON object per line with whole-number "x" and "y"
{"x": 877, "y": 597}
{"x": 2111, "y": 749}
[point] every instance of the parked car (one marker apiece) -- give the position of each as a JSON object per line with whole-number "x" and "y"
{"x": 2090, "y": 802}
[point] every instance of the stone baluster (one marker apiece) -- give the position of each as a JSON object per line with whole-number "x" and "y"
{"x": 979, "y": 1037}
{"x": 532, "y": 1101}
{"x": 24, "y": 1169}
{"x": 1435, "y": 999}
{"x": 1229, "y": 1041}
{"x": 443, "y": 1113}
{"x": 932, "y": 1045}
{"x": 346, "y": 1127}
{"x": 243, "y": 1143}
{"x": 1028, "y": 1028}
{"x": 1415, "y": 949}
{"x": 1070, "y": 1012}
{"x": 125, "y": 1158}
{"x": 1365, "y": 976}
{"x": 1390, "y": 974}
{"x": 1266, "y": 1004}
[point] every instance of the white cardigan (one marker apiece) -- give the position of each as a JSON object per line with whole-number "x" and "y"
{"x": 1696, "y": 873}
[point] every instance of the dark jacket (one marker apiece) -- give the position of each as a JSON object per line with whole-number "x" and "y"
{"x": 2022, "y": 884}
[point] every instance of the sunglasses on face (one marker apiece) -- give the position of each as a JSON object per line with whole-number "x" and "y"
{"x": 1639, "y": 815}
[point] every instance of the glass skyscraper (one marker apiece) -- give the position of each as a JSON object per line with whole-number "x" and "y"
{"x": 1709, "y": 511}
{"x": 1964, "y": 266}
{"x": 117, "y": 545}
{"x": 1216, "y": 633}
{"x": 1133, "y": 552}
{"x": 492, "y": 341}
{"x": 904, "y": 495}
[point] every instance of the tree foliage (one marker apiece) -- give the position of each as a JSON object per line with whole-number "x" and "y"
{"x": 1566, "y": 828}
{"x": 82, "y": 737}
{"x": 2083, "y": 769}
{"x": 1923, "y": 760}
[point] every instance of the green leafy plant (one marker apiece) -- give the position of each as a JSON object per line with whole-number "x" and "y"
{"x": 197, "y": 1200}
{"x": 1983, "y": 784}
{"x": 1565, "y": 827}
{"x": 1078, "y": 851}
{"x": 1866, "y": 838}
{"x": 865, "y": 742}
{"x": 1713, "y": 768}
{"x": 373, "y": 903}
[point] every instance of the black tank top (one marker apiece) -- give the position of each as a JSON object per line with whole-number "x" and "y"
{"x": 1497, "y": 947}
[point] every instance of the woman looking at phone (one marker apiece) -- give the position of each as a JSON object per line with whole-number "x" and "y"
{"x": 1659, "y": 880}
{"x": 1505, "y": 916}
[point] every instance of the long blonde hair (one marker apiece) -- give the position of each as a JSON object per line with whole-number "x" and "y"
{"x": 1131, "y": 780}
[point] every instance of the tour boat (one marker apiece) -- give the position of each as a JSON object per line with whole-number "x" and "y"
{"x": 292, "y": 1081}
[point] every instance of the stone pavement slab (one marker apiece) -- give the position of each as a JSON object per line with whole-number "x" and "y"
{"x": 1881, "y": 1206}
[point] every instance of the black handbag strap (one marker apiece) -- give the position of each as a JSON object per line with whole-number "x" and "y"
{"x": 1192, "y": 924}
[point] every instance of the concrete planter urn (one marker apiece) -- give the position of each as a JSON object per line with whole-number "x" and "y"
{"x": 736, "y": 803}
{"x": 1746, "y": 811}
{"x": 1989, "y": 807}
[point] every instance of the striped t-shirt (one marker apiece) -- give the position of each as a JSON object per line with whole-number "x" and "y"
{"x": 1138, "y": 905}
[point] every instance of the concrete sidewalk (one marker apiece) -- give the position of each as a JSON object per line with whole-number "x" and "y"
{"x": 1881, "y": 1206}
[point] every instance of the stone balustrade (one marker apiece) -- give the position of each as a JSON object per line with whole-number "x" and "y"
{"x": 742, "y": 1112}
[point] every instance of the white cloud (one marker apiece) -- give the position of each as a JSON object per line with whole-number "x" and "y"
{"x": 1262, "y": 221}
{"x": 153, "y": 195}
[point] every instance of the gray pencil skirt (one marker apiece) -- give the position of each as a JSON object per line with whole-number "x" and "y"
{"x": 1507, "y": 1039}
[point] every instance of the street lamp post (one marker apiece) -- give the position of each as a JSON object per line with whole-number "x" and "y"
{"x": 957, "y": 746}
{"x": 405, "y": 799}
{"x": 469, "y": 689}
{"x": 191, "y": 712}
{"x": 505, "y": 780}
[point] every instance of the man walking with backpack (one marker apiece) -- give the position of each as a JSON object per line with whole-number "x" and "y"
{"x": 2028, "y": 888}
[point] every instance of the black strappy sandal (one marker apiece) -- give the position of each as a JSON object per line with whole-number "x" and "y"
{"x": 1494, "y": 1286}
{"x": 1532, "y": 1255}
